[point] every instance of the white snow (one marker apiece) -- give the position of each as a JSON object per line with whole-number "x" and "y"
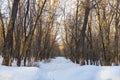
{"x": 19, "y": 73}
{"x": 60, "y": 68}
{"x": 1, "y": 59}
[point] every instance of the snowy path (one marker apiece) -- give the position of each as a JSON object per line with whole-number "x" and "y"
{"x": 60, "y": 69}
{"x": 63, "y": 69}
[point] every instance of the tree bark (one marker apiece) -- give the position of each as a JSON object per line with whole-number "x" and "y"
{"x": 8, "y": 46}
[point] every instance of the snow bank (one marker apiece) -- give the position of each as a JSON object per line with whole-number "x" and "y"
{"x": 108, "y": 73}
{"x": 19, "y": 73}
{"x": 60, "y": 69}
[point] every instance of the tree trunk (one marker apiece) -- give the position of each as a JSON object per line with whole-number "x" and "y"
{"x": 82, "y": 35}
{"x": 8, "y": 46}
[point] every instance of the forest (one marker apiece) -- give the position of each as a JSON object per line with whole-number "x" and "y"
{"x": 84, "y": 31}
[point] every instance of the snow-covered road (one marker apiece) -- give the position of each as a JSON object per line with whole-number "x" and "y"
{"x": 60, "y": 69}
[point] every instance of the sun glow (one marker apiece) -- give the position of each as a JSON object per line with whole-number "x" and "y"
{"x": 61, "y": 47}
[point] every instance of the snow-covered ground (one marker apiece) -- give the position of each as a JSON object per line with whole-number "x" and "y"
{"x": 60, "y": 69}
{"x": 1, "y": 60}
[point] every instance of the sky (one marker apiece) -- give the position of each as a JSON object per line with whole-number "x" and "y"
{"x": 69, "y": 8}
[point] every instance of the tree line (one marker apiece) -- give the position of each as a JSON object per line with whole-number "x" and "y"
{"x": 29, "y": 32}
{"x": 90, "y": 30}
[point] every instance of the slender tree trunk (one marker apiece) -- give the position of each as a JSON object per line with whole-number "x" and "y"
{"x": 82, "y": 35}
{"x": 8, "y": 48}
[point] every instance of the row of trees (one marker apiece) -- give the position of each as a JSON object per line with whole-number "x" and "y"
{"x": 92, "y": 32}
{"x": 29, "y": 31}
{"x": 90, "y": 29}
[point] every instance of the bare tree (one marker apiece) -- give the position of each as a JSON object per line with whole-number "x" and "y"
{"x": 8, "y": 46}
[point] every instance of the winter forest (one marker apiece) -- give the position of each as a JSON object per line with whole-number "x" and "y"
{"x": 82, "y": 32}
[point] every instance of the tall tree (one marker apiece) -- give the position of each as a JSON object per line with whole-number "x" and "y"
{"x": 8, "y": 46}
